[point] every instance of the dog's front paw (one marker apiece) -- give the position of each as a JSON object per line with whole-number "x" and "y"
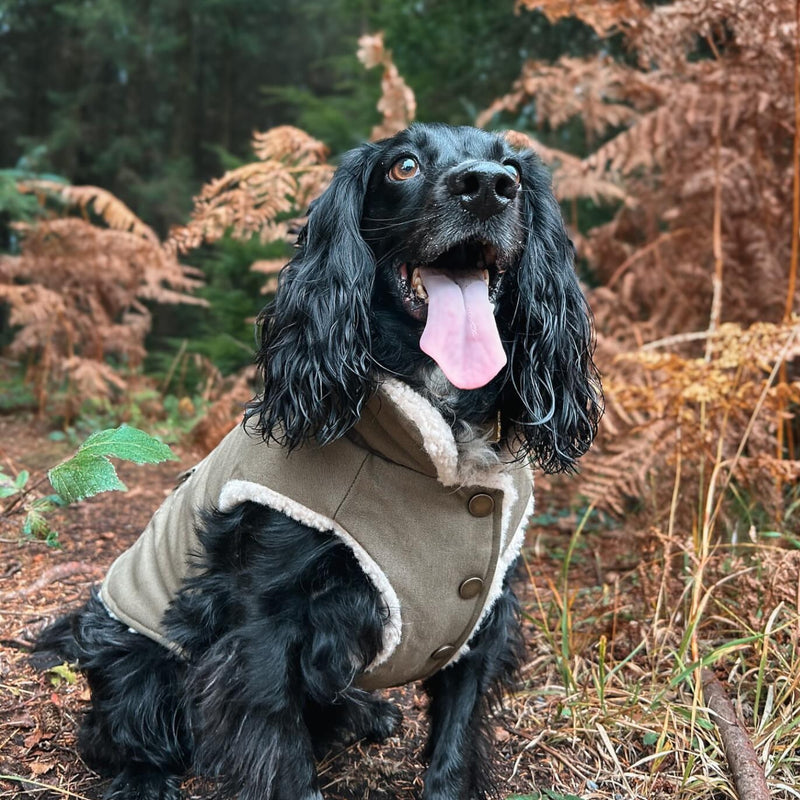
{"x": 442, "y": 794}
{"x": 140, "y": 782}
{"x": 385, "y": 720}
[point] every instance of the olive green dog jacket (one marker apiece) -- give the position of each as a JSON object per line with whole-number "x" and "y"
{"x": 433, "y": 535}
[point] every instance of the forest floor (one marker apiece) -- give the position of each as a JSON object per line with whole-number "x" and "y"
{"x": 541, "y": 746}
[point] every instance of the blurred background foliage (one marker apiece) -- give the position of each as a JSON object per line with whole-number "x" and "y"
{"x": 152, "y": 99}
{"x": 149, "y": 99}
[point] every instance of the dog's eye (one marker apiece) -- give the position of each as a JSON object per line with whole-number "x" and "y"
{"x": 404, "y": 168}
{"x": 513, "y": 171}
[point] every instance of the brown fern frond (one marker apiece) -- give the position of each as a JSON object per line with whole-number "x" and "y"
{"x": 264, "y": 198}
{"x": 10, "y": 267}
{"x": 226, "y": 410}
{"x": 290, "y": 145}
{"x": 605, "y": 16}
{"x": 397, "y": 102}
{"x": 270, "y": 267}
{"x": 616, "y": 474}
{"x": 602, "y": 93}
{"x": 92, "y": 378}
{"x": 75, "y": 297}
{"x": 110, "y": 208}
{"x": 552, "y": 156}
{"x": 659, "y": 251}
{"x": 572, "y": 179}
{"x": 662, "y": 404}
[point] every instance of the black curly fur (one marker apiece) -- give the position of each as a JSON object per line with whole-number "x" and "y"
{"x": 336, "y": 325}
{"x": 279, "y": 619}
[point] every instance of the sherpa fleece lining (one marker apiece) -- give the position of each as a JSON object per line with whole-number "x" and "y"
{"x": 442, "y": 449}
{"x": 236, "y": 491}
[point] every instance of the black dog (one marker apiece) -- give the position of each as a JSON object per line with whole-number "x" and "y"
{"x": 427, "y": 342}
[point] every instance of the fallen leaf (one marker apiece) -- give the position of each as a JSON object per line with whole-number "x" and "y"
{"x": 33, "y": 739}
{"x": 501, "y": 734}
{"x": 40, "y": 767}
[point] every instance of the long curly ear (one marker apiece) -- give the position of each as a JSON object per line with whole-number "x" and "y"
{"x": 315, "y": 337}
{"x": 553, "y": 396}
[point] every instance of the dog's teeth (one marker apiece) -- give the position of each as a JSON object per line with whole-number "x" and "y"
{"x": 417, "y": 285}
{"x": 486, "y": 276}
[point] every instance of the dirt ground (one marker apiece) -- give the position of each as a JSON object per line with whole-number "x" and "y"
{"x": 38, "y": 716}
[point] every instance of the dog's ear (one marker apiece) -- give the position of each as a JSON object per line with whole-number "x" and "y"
{"x": 553, "y": 395}
{"x": 315, "y": 337}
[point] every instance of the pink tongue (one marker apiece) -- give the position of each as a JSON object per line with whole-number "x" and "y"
{"x": 461, "y": 335}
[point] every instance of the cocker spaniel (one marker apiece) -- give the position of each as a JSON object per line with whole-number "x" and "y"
{"x": 427, "y": 343}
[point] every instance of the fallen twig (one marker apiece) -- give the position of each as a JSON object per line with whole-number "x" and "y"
{"x": 32, "y": 782}
{"x": 56, "y": 573}
{"x": 746, "y": 769}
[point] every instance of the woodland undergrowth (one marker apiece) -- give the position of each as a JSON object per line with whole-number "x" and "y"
{"x": 691, "y": 143}
{"x": 690, "y": 146}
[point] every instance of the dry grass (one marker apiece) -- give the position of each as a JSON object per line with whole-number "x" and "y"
{"x": 612, "y": 705}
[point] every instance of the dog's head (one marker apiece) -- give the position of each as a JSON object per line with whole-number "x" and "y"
{"x": 438, "y": 256}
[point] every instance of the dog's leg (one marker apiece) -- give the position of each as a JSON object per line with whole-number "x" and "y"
{"x": 135, "y": 728}
{"x": 462, "y": 695}
{"x": 261, "y": 707}
{"x": 280, "y": 619}
{"x": 264, "y": 703}
{"x": 355, "y": 715}
{"x": 259, "y": 748}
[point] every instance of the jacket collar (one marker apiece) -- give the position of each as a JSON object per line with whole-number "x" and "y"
{"x": 402, "y": 426}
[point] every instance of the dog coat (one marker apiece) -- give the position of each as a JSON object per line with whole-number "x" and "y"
{"x": 435, "y": 537}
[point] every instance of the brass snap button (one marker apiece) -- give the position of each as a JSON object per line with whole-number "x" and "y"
{"x": 443, "y": 652}
{"x": 481, "y": 505}
{"x": 471, "y": 587}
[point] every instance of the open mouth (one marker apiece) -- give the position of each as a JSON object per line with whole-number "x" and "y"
{"x": 454, "y": 295}
{"x": 462, "y": 262}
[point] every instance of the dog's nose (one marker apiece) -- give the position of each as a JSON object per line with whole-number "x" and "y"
{"x": 484, "y": 188}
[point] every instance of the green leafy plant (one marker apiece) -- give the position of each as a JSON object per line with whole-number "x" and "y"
{"x": 34, "y": 524}
{"x": 88, "y": 472}
{"x": 11, "y": 486}
{"x": 60, "y": 674}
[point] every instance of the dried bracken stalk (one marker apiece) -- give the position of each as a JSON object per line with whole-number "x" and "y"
{"x": 748, "y": 774}
{"x": 264, "y": 198}
{"x": 397, "y": 102}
